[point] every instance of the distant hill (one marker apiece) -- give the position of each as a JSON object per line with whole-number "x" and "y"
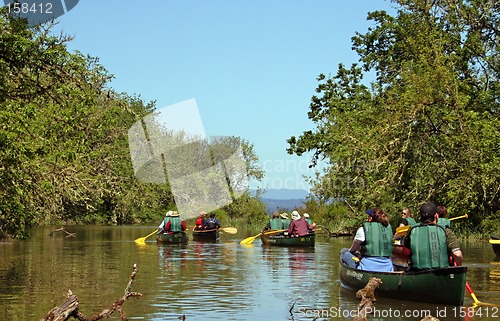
{"x": 286, "y": 199}
{"x": 285, "y": 194}
{"x": 273, "y": 205}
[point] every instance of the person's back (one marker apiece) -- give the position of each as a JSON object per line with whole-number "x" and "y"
{"x": 200, "y": 221}
{"x": 428, "y": 246}
{"x": 431, "y": 244}
{"x": 377, "y": 248}
{"x": 444, "y": 222}
{"x": 163, "y": 226}
{"x": 276, "y": 223}
{"x": 374, "y": 242}
{"x": 175, "y": 225}
{"x": 285, "y": 221}
{"x": 212, "y": 223}
{"x": 298, "y": 226}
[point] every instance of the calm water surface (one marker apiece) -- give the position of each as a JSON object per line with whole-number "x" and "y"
{"x": 204, "y": 281}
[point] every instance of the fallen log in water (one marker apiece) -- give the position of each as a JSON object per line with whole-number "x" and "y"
{"x": 62, "y": 229}
{"x": 70, "y": 307}
{"x": 339, "y": 233}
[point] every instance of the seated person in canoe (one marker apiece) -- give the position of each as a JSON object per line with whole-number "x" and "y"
{"x": 371, "y": 249}
{"x": 275, "y": 223}
{"x": 406, "y": 220}
{"x": 442, "y": 220}
{"x": 430, "y": 243}
{"x": 211, "y": 223}
{"x": 299, "y": 226}
{"x": 172, "y": 223}
{"x": 200, "y": 221}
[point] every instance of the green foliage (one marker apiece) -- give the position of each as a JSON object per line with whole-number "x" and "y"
{"x": 247, "y": 208}
{"x": 427, "y": 128}
{"x": 64, "y": 151}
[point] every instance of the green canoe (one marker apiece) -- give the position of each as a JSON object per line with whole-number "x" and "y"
{"x": 284, "y": 240}
{"x": 439, "y": 286}
{"x": 174, "y": 238}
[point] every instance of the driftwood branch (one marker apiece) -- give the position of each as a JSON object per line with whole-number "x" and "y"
{"x": 367, "y": 296}
{"x": 70, "y": 308}
{"x": 62, "y": 229}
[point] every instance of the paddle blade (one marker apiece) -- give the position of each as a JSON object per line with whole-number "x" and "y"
{"x": 229, "y": 230}
{"x": 249, "y": 240}
{"x": 401, "y": 231}
{"x": 142, "y": 240}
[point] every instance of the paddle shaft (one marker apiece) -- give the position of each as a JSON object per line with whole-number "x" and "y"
{"x": 467, "y": 285}
{"x": 249, "y": 240}
{"x": 404, "y": 229}
{"x": 230, "y": 230}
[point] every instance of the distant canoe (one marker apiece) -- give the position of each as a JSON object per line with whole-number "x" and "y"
{"x": 206, "y": 235}
{"x": 495, "y": 242}
{"x": 284, "y": 240}
{"x": 438, "y": 286}
{"x": 174, "y": 238}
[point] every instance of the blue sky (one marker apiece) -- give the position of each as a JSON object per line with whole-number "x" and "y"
{"x": 250, "y": 65}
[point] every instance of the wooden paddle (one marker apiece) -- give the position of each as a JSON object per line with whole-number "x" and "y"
{"x": 229, "y": 230}
{"x": 142, "y": 240}
{"x": 249, "y": 240}
{"x": 401, "y": 231}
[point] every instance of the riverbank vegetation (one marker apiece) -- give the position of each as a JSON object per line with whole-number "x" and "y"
{"x": 64, "y": 154}
{"x": 427, "y": 127}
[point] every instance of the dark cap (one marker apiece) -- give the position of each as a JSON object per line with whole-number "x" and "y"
{"x": 427, "y": 211}
{"x": 371, "y": 213}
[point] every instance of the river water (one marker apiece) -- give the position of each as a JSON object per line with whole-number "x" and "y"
{"x": 205, "y": 281}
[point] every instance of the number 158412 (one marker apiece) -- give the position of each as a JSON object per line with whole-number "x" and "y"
{"x": 18, "y": 7}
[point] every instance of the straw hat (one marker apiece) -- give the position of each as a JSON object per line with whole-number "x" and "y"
{"x": 306, "y": 215}
{"x": 284, "y": 215}
{"x": 174, "y": 214}
{"x": 169, "y": 213}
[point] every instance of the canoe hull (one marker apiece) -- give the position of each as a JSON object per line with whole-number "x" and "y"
{"x": 175, "y": 238}
{"x": 206, "y": 236}
{"x": 438, "y": 286}
{"x": 282, "y": 240}
{"x": 495, "y": 243}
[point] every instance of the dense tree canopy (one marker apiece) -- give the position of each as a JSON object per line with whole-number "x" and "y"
{"x": 64, "y": 154}
{"x": 427, "y": 127}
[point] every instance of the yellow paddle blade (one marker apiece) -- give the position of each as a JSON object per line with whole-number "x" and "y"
{"x": 142, "y": 240}
{"x": 249, "y": 240}
{"x": 229, "y": 230}
{"x": 401, "y": 231}
{"x": 494, "y": 241}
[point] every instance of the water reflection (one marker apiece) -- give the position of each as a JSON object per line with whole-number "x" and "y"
{"x": 494, "y": 277}
{"x": 203, "y": 281}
